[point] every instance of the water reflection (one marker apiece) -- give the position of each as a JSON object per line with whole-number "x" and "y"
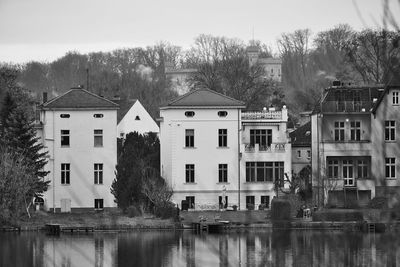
{"x": 253, "y": 248}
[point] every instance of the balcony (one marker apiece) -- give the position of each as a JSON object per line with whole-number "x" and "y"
{"x": 346, "y": 106}
{"x": 262, "y": 115}
{"x": 273, "y": 148}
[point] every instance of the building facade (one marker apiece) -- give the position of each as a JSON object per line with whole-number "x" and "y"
{"x": 272, "y": 66}
{"x": 354, "y": 144}
{"x": 214, "y": 155}
{"x": 78, "y": 129}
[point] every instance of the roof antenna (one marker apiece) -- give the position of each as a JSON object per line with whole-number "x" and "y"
{"x": 253, "y": 36}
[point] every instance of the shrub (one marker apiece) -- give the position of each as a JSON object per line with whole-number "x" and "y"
{"x": 261, "y": 207}
{"x": 378, "y": 203}
{"x": 166, "y": 211}
{"x": 280, "y": 209}
{"x": 133, "y": 211}
{"x": 338, "y": 215}
{"x": 250, "y": 206}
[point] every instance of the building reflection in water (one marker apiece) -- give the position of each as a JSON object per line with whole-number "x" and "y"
{"x": 250, "y": 248}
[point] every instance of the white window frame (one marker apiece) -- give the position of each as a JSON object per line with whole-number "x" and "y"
{"x": 98, "y": 173}
{"x": 390, "y": 168}
{"x": 390, "y": 130}
{"x": 98, "y": 137}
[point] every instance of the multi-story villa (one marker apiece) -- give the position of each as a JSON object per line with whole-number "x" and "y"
{"x": 355, "y": 144}
{"x": 272, "y": 66}
{"x": 79, "y": 131}
{"x": 213, "y": 154}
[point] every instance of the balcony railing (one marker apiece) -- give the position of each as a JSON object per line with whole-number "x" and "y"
{"x": 260, "y": 115}
{"x": 346, "y": 106}
{"x": 274, "y": 147}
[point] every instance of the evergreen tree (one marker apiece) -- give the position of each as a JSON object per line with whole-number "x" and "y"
{"x": 19, "y": 135}
{"x": 138, "y": 159}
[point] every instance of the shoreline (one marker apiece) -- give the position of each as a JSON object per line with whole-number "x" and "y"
{"x": 283, "y": 225}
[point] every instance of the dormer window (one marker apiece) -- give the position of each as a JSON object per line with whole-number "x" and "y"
{"x": 137, "y": 118}
{"x": 65, "y": 116}
{"x": 222, "y": 113}
{"x": 98, "y": 115}
{"x": 189, "y": 114}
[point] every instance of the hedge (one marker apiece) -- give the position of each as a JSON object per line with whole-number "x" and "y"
{"x": 338, "y": 215}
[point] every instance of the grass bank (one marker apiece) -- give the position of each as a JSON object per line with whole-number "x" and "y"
{"x": 106, "y": 220}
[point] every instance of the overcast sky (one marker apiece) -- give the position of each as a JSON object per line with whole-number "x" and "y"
{"x": 45, "y": 29}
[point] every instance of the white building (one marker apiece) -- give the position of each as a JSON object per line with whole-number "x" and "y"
{"x": 78, "y": 129}
{"x": 211, "y": 150}
{"x": 133, "y": 117}
{"x": 272, "y": 66}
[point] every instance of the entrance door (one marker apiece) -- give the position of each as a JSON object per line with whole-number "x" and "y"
{"x": 348, "y": 176}
{"x": 65, "y": 205}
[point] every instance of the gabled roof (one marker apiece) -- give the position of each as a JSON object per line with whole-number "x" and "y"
{"x": 79, "y": 99}
{"x": 204, "y": 98}
{"x": 382, "y": 96}
{"x": 124, "y": 106}
{"x": 301, "y": 137}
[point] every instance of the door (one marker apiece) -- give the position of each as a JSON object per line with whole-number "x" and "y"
{"x": 65, "y": 205}
{"x": 348, "y": 176}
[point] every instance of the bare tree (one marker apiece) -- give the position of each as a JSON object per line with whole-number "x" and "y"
{"x": 16, "y": 181}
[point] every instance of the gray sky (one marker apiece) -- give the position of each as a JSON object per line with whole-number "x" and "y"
{"x": 45, "y": 29}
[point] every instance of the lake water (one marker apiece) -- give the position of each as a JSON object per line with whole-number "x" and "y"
{"x": 183, "y": 248}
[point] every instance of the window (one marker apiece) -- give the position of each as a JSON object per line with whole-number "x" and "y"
{"x": 189, "y": 138}
{"x": 190, "y": 200}
{"x": 65, "y": 138}
{"x": 355, "y": 130}
{"x": 98, "y": 138}
{"x": 390, "y": 130}
{"x": 97, "y": 116}
{"x": 308, "y": 154}
{"x": 339, "y": 130}
{"x": 64, "y": 116}
{"x": 265, "y": 201}
{"x": 137, "y": 118}
{"x": 357, "y": 100}
{"x": 223, "y": 205}
{"x": 98, "y": 173}
{"x": 65, "y": 173}
{"x": 333, "y": 168}
{"x": 189, "y": 173}
{"x": 264, "y": 171}
{"x": 395, "y": 95}
{"x": 98, "y": 204}
{"x": 249, "y": 202}
{"x": 250, "y": 171}
{"x": 362, "y": 169}
{"x": 390, "y": 168}
{"x": 299, "y": 153}
{"x": 223, "y": 173}
{"x": 222, "y": 137}
{"x": 261, "y": 137}
{"x": 222, "y": 113}
{"x": 189, "y": 114}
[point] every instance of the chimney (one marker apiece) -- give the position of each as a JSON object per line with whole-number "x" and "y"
{"x": 44, "y": 97}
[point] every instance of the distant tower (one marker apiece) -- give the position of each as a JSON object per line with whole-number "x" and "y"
{"x": 253, "y": 52}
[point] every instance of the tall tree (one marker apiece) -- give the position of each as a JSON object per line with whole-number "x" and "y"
{"x": 19, "y": 135}
{"x": 374, "y": 55}
{"x": 138, "y": 159}
{"x": 234, "y": 77}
